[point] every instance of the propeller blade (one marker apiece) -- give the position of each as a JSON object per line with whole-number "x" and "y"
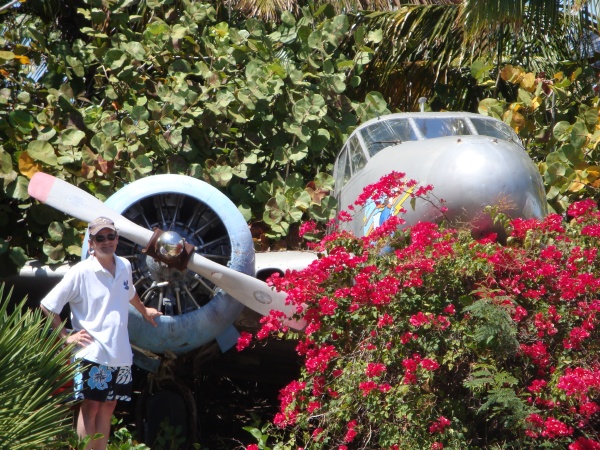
{"x": 250, "y": 291}
{"x": 77, "y": 203}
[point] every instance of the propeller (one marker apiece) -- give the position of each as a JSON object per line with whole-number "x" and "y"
{"x": 248, "y": 290}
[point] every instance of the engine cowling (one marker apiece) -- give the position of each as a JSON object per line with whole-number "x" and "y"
{"x": 194, "y": 312}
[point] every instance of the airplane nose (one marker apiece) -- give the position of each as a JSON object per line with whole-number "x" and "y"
{"x": 472, "y": 174}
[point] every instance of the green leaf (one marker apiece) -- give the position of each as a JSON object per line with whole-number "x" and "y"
{"x": 562, "y": 131}
{"x": 176, "y": 138}
{"x": 363, "y": 57}
{"x": 298, "y": 152}
{"x": 56, "y": 231}
{"x": 375, "y": 36}
{"x": 76, "y": 66}
{"x": 157, "y": 28}
{"x": 47, "y": 133}
{"x": 302, "y": 201}
{"x": 139, "y": 113}
{"x": 579, "y": 135}
{"x": 337, "y": 83}
{"x": 264, "y": 191}
{"x": 525, "y": 97}
{"x": 115, "y": 58}
{"x": 42, "y": 151}
{"x": 24, "y": 97}
{"x": 221, "y": 175}
{"x": 480, "y": 70}
{"x": 319, "y": 140}
{"x": 490, "y": 107}
{"x": 373, "y": 106}
{"x": 324, "y": 211}
{"x": 6, "y": 166}
{"x": 6, "y": 56}
{"x": 591, "y": 117}
{"x": 21, "y": 120}
{"x": 293, "y": 182}
{"x": 112, "y": 128}
{"x": 555, "y": 172}
{"x": 136, "y": 50}
{"x": 288, "y": 19}
{"x": 18, "y": 256}
{"x": 143, "y": 164}
{"x": 4, "y": 246}
{"x": 72, "y": 137}
{"x": 574, "y": 155}
{"x": 325, "y": 181}
{"x": 54, "y": 252}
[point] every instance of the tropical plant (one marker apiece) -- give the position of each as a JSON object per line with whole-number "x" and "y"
{"x": 427, "y": 338}
{"x": 556, "y": 116}
{"x": 120, "y": 439}
{"x": 430, "y": 45}
{"x": 34, "y": 367}
{"x": 258, "y": 110}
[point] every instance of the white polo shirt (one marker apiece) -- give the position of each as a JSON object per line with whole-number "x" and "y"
{"x": 100, "y": 305}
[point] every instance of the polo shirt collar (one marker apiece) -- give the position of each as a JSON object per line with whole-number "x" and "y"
{"x": 97, "y": 267}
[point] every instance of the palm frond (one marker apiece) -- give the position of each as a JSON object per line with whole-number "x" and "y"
{"x": 429, "y": 45}
{"x": 267, "y": 10}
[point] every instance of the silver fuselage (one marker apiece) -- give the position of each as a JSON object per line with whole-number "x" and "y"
{"x": 472, "y": 161}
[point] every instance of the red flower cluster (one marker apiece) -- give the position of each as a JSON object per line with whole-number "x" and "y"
{"x": 439, "y": 426}
{"x": 550, "y": 428}
{"x": 375, "y": 370}
{"x": 579, "y": 381}
{"x": 412, "y": 364}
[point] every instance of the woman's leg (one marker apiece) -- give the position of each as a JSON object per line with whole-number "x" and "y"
{"x": 95, "y": 417}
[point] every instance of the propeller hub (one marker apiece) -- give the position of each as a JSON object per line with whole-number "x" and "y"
{"x": 170, "y": 245}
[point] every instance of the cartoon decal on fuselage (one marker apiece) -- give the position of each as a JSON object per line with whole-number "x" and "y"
{"x": 376, "y": 213}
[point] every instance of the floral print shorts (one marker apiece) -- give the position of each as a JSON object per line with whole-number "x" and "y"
{"x": 101, "y": 383}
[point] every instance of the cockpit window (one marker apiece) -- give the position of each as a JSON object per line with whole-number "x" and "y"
{"x": 385, "y": 133}
{"x": 342, "y": 171}
{"x": 494, "y": 128}
{"x": 432, "y": 128}
{"x": 357, "y": 157}
{"x": 393, "y": 130}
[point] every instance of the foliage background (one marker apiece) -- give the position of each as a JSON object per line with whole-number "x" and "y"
{"x": 257, "y": 98}
{"x": 256, "y": 110}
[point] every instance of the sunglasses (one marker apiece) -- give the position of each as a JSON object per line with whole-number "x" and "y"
{"x": 102, "y": 237}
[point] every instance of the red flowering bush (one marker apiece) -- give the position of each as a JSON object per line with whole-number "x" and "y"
{"x": 444, "y": 342}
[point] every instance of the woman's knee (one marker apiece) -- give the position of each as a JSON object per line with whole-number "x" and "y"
{"x": 108, "y": 406}
{"x": 90, "y": 406}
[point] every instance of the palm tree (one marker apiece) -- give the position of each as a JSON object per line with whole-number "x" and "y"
{"x": 437, "y": 43}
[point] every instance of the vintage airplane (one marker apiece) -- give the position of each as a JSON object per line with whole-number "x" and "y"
{"x": 193, "y": 255}
{"x": 472, "y": 161}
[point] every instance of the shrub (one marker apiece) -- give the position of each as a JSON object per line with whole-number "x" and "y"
{"x": 34, "y": 367}
{"x": 426, "y": 338}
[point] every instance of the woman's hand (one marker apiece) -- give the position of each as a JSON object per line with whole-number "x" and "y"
{"x": 80, "y": 338}
{"x": 151, "y": 314}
